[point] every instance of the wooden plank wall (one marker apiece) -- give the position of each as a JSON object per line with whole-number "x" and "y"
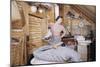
{"x": 35, "y": 33}
{"x": 38, "y": 27}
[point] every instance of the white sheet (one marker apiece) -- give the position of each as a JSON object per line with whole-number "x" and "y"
{"x": 37, "y": 61}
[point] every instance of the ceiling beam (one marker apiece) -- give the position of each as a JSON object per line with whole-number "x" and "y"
{"x": 85, "y": 13}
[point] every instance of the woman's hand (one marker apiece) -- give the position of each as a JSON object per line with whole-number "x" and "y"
{"x": 55, "y": 46}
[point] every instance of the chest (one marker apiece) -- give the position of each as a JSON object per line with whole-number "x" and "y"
{"x": 56, "y": 28}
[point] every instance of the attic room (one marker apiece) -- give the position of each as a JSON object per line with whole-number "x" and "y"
{"x": 30, "y": 23}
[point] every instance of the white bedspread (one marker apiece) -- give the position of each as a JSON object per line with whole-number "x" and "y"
{"x": 37, "y": 61}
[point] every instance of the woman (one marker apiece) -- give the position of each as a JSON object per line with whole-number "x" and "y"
{"x": 54, "y": 32}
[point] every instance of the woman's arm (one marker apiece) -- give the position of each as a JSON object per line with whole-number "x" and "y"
{"x": 48, "y": 34}
{"x": 64, "y": 32}
{"x": 57, "y": 45}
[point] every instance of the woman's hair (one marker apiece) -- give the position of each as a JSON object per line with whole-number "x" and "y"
{"x": 58, "y": 17}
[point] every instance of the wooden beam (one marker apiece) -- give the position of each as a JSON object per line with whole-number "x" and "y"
{"x": 84, "y": 13}
{"x": 35, "y": 16}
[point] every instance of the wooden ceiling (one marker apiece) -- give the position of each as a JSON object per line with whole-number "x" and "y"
{"x": 88, "y": 12}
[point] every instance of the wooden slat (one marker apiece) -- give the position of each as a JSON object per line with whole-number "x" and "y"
{"x": 35, "y": 32}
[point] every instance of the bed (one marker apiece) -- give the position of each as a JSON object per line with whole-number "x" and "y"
{"x": 62, "y": 54}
